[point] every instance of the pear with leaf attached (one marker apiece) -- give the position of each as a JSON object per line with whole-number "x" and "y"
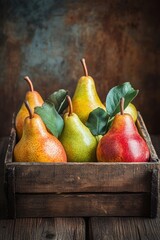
{"x": 36, "y": 143}
{"x": 85, "y": 98}
{"x": 79, "y": 143}
{"x": 122, "y": 143}
{"x": 34, "y": 99}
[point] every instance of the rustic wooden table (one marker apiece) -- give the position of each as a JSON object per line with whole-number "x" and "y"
{"x": 95, "y": 228}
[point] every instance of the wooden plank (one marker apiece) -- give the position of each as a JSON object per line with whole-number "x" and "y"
{"x": 10, "y": 178}
{"x": 11, "y": 144}
{"x": 156, "y": 140}
{"x": 6, "y": 229}
{"x": 50, "y": 228}
{"x": 124, "y": 228}
{"x": 79, "y": 177}
{"x": 143, "y": 131}
{"x": 154, "y": 193}
{"x": 3, "y": 200}
{"x": 64, "y": 205}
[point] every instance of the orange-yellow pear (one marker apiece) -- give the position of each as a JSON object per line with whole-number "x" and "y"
{"x": 34, "y": 99}
{"x": 36, "y": 143}
{"x": 85, "y": 98}
{"x": 122, "y": 143}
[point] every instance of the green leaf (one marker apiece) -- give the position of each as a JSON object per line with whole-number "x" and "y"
{"x": 52, "y": 120}
{"x": 97, "y": 121}
{"x": 58, "y": 99}
{"x": 116, "y": 93}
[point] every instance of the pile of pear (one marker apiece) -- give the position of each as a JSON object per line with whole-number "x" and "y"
{"x": 122, "y": 143}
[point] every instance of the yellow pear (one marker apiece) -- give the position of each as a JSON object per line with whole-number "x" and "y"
{"x": 131, "y": 109}
{"x": 36, "y": 143}
{"x": 34, "y": 99}
{"x": 85, "y": 98}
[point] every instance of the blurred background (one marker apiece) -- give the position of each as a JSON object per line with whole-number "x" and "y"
{"x": 120, "y": 40}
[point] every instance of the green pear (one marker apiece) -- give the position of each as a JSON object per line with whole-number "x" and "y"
{"x": 85, "y": 98}
{"x": 77, "y": 140}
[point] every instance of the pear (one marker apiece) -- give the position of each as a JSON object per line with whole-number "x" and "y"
{"x": 36, "y": 144}
{"x": 34, "y": 99}
{"x": 85, "y": 98}
{"x": 122, "y": 143}
{"x": 79, "y": 143}
{"x": 131, "y": 109}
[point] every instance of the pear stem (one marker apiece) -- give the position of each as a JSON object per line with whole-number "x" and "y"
{"x": 29, "y": 82}
{"x": 29, "y": 109}
{"x": 84, "y": 67}
{"x": 122, "y": 106}
{"x": 70, "y": 105}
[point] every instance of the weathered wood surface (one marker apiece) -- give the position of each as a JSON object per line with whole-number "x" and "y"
{"x": 145, "y": 134}
{"x": 97, "y": 177}
{"x": 69, "y": 205}
{"x": 3, "y": 202}
{"x": 7, "y": 229}
{"x": 124, "y": 229}
{"x": 44, "y": 229}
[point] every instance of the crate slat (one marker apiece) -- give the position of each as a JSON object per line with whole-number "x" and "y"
{"x": 93, "y": 177}
{"x": 69, "y": 205}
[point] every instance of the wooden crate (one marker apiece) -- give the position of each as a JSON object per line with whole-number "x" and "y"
{"x": 82, "y": 189}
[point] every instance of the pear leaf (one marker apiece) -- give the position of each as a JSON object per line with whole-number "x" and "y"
{"x": 116, "y": 93}
{"x": 58, "y": 99}
{"x": 51, "y": 118}
{"x": 97, "y": 121}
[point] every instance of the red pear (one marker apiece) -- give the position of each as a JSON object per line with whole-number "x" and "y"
{"x": 122, "y": 143}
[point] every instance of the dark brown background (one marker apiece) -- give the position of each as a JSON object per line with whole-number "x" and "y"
{"x": 120, "y": 40}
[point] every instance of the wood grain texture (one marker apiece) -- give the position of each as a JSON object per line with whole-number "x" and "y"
{"x": 154, "y": 193}
{"x": 50, "y": 228}
{"x": 3, "y": 200}
{"x": 70, "y": 205}
{"x": 10, "y": 191}
{"x": 90, "y": 177}
{"x": 156, "y": 140}
{"x": 6, "y": 229}
{"x": 10, "y": 147}
{"x": 144, "y": 133}
{"x": 124, "y": 228}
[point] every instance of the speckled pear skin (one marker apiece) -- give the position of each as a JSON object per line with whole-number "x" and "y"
{"x": 34, "y": 99}
{"x": 85, "y": 98}
{"x": 79, "y": 144}
{"x": 38, "y": 145}
{"x": 122, "y": 143}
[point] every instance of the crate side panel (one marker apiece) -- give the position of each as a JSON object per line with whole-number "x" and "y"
{"x": 144, "y": 133}
{"x": 10, "y": 148}
{"x": 69, "y": 205}
{"x": 94, "y": 177}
